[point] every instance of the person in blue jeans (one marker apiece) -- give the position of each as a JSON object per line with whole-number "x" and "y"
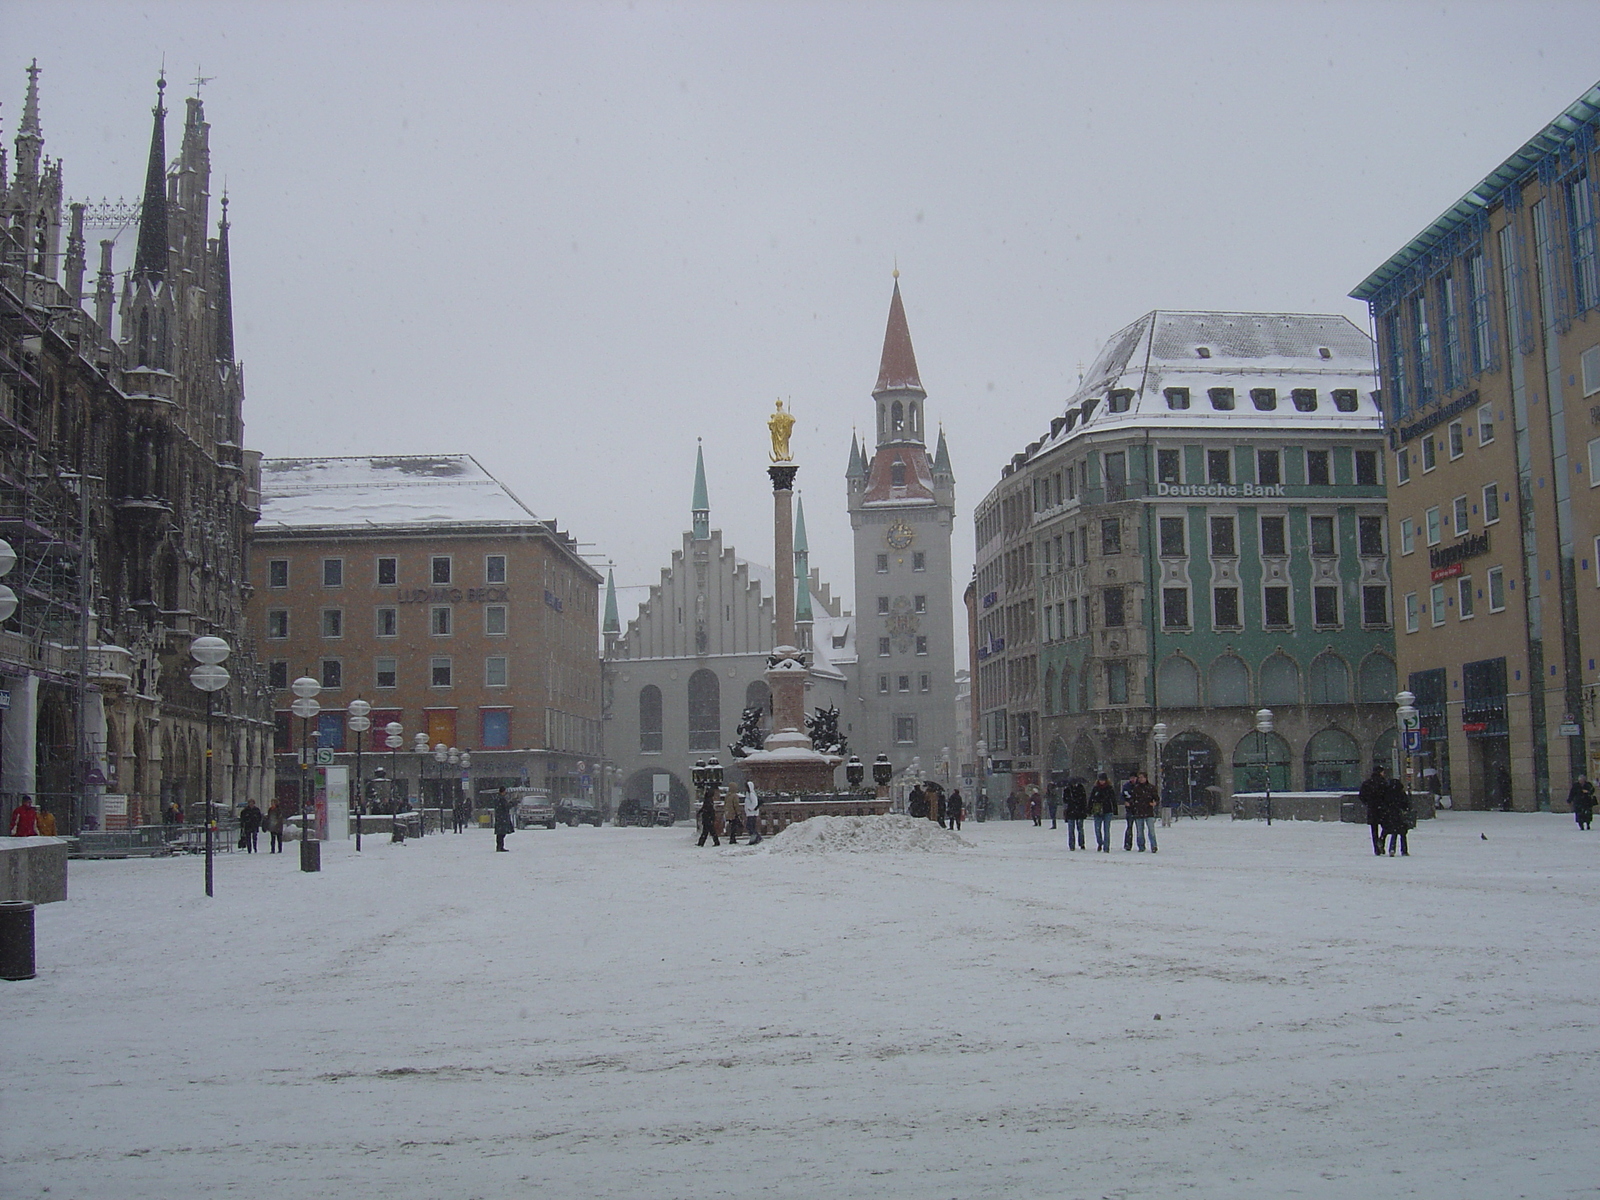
{"x": 1143, "y": 801}
{"x": 1075, "y": 808}
{"x": 1103, "y": 806}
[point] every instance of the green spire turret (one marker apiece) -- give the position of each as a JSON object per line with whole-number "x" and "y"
{"x": 612, "y": 624}
{"x": 700, "y": 506}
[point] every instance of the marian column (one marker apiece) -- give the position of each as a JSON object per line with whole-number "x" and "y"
{"x": 787, "y": 762}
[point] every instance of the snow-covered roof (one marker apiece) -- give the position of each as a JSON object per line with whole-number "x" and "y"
{"x": 370, "y": 492}
{"x": 1135, "y": 380}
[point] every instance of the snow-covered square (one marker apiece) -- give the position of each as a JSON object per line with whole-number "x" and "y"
{"x": 1252, "y": 1012}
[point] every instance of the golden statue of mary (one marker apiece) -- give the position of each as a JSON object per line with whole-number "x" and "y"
{"x": 781, "y": 424}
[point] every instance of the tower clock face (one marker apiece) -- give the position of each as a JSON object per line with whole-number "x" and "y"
{"x": 900, "y": 535}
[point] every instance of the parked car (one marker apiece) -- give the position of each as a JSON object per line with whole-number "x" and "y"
{"x": 532, "y": 807}
{"x": 578, "y": 810}
{"x": 644, "y": 812}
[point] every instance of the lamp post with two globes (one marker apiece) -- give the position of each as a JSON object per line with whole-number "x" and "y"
{"x": 8, "y": 605}
{"x": 210, "y": 677}
{"x": 394, "y": 738}
{"x": 305, "y": 707}
{"x": 358, "y": 723}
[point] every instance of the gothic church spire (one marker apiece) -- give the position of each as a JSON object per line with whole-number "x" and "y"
{"x": 700, "y": 506}
{"x": 150, "y": 260}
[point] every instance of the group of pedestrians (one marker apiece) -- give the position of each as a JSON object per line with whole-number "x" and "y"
{"x": 1390, "y": 815}
{"x": 745, "y": 815}
{"x": 928, "y": 799}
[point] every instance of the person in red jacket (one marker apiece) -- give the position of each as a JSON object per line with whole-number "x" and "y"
{"x": 25, "y": 819}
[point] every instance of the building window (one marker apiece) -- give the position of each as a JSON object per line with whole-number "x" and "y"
{"x": 1408, "y": 535}
{"x": 1265, "y": 399}
{"x": 1581, "y": 233}
{"x": 494, "y": 568}
{"x": 1436, "y": 603}
{"x": 1221, "y": 398}
{"x": 1402, "y": 466}
{"x": 1275, "y": 607}
{"x": 897, "y": 474}
{"x": 1317, "y": 468}
{"x": 883, "y": 647}
{"x": 333, "y": 572}
{"x": 919, "y": 604}
{"x": 1305, "y": 399}
{"x": 440, "y": 569}
{"x": 1111, "y": 603}
{"x": 1485, "y": 425}
{"x": 386, "y": 622}
{"x": 650, "y": 719}
{"x": 494, "y": 671}
{"x": 277, "y": 623}
{"x": 494, "y": 619}
{"x": 1177, "y": 397}
{"x": 332, "y": 673}
{"x": 439, "y": 672}
{"x": 1273, "y": 538}
{"x": 1594, "y": 463}
{"x": 905, "y": 731}
{"x": 1175, "y": 608}
{"x": 388, "y": 572}
{"x": 883, "y": 606}
{"x": 883, "y": 685}
{"x": 883, "y": 564}
{"x": 439, "y": 620}
{"x": 1430, "y": 456}
{"x": 919, "y": 560}
{"x": 1325, "y": 605}
{"x": 922, "y": 643}
{"x": 1413, "y": 613}
{"x": 1322, "y": 536}
{"x": 1367, "y": 468}
{"x": 496, "y": 725}
{"x": 1450, "y": 329}
{"x": 278, "y": 675}
{"x": 1457, "y": 440}
{"x": 1464, "y": 606}
{"x": 1225, "y": 607}
{"x": 1431, "y": 524}
{"x": 1422, "y": 344}
{"x": 1491, "y": 503}
{"x": 1219, "y": 466}
{"x": 1461, "y": 515}
{"x": 1497, "y": 589}
{"x": 277, "y": 572}
{"x": 385, "y": 672}
{"x": 902, "y": 683}
{"x": 1110, "y": 536}
{"x": 1172, "y": 539}
{"x": 1269, "y": 467}
{"x": 1374, "y": 604}
{"x": 1478, "y": 312}
{"x": 924, "y": 682}
{"x": 333, "y": 622}
{"x": 1346, "y": 400}
{"x": 1072, "y": 617}
{"x": 1589, "y": 365}
{"x": 1169, "y": 466}
{"x": 705, "y": 710}
{"x": 1222, "y": 539}
{"x": 1369, "y": 535}
{"x": 1117, "y": 682}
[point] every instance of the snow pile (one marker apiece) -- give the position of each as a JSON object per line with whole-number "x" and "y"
{"x": 864, "y": 835}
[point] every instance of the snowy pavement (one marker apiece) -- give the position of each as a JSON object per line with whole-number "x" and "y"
{"x": 603, "y": 1013}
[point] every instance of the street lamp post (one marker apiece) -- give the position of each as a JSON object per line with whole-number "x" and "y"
{"x": 1159, "y": 733}
{"x": 394, "y": 739}
{"x": 1409, "y": 720}
{"x": 8, "y": 605}
{"x": 419, "y": 743}
{"x": 1264, "y": 727}
{"x": 441, "y": 755}
{"x": 855, "y": 771}
{"x": 305, "y": 707}
{"x": 210, "y": 676}
{"x": 464, "y": 788}
{"x": 982, "y": 804}
{"x": 358, "y": 723}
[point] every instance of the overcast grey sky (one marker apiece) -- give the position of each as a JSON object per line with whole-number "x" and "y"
{"x": 569, "y": 239}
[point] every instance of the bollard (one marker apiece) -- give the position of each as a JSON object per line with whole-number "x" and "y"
{"x": 310, "y": 855}
{"x": 16, "y": 939}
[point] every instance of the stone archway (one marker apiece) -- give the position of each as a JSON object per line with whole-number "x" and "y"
{"x": 642, "y": 784}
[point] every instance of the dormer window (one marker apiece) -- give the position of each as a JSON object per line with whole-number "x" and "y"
{"x": 1203, "y": 351}
{"x": 1265, "y": 399}
{"x": 1344, "y": 399}
{"x": 1221, "y": 398}
{"x": 897, "y": 474}
{"x": 1305, "y": 399}
{"x": 1088, "y": 408}
{"x": 1121, "y": 400}
{"x": 1324, "y": 353}
{"x": 1177, "y": 397}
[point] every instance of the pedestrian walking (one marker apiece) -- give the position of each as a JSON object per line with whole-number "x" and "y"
{"x": 1581, "y": 798}
{"x": 752, "y": 812}
{"x": 917, "y": 802}
{"x": 250, "y": 826}
{"x": 1103, "y": 807}
{"x": 1126, "y": 796}
{"x": 941, "y": 803}
{"x": 1053, "y": 796}
{"x": 1075, "y": 808}
{"x": 955, "y": 809}
{"x": 708, "y": 818}
{"x": 1398, "y": 817}
{"x": 1143, "y": 800}
{"x": 1013, "y": 801}
{"x": 273, "y": 823}
{"x": 25, "y": 819}
{"x": 1035, "y": 809}
{"x": 503, "y": 823}
{"x": 46, "y": 822}
{"x": 1375, "y": 795}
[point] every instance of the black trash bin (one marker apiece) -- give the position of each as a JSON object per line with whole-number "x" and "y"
{"x": 310, "y": 855}
{"x": 16, "y": 939}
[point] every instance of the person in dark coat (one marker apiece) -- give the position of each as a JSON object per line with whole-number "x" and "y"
{"x": 249, "y": 826}
{"x": 1375, "y": 795}
{"x": 1581, "y": 799}
{"x": 1103, "y": 806}
{"x": 273, "y": 824}
{"x": 1053, "y": 796}
{"x": 941, "y": 804}
{"x": 1399, "y": 818}
{"x": 708, "y": 818}
{"x": 1075, "y": 807}
{"x": 1035, "y": 809}
{"x": 1143, "y": 800}
{"x": 917, "y": 802}
{"x": 1126, "y": 796}
{"x": 502, "y": 819}
{"x": 955, "y": 809}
